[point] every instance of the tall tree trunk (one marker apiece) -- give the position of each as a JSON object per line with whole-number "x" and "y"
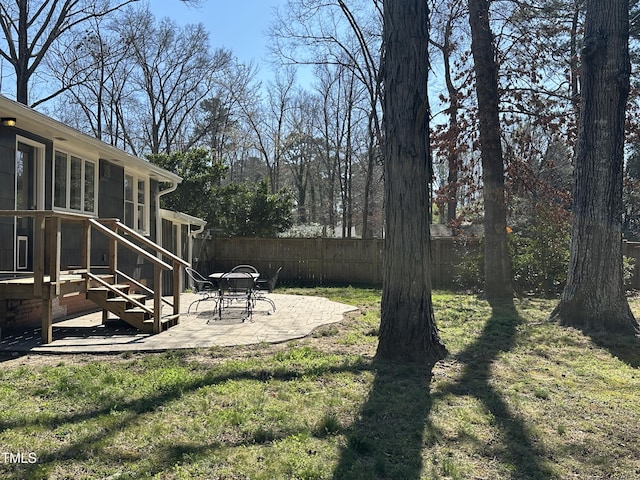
{"x": 453, "y": 158}
{"x": 22, "y": 61}
{"x": 593, "y": 298}
{"x": 408, "y": 331}
{"x": 366, "y": 208}
{"x": 497, "y": 265}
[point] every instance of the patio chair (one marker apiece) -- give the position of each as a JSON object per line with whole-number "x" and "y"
{"x": 245, "y": 268}
{"x": 236, "y": 287}
{"x": 267, "y": 285}
{"x": 205, "y": 288}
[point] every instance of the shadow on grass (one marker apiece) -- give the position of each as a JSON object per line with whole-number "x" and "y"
{"x": 117, "y": 415}
{"x": 388, "y": 438}
{"x": 518, "y": 448}
{"x": 623, "y": 347}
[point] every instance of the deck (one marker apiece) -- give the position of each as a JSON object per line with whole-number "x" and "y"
{"x": 22, "y": 287}
{"x": 49, "y": 279}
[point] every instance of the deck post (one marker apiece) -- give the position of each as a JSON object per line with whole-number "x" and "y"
{"x": 157, "y": 298}
{"x": 47, "y": 319}
{"x": 39, "y": 223}
{"x": 113, "y": 256}
{"x": 54, "y": 252}
{"x": 86, "y": 246}
{"x": 177, "y": 287}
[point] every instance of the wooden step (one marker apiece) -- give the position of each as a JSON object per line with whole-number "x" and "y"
{"x": 97, "y": 293}
{"x": 166, "y": 322}
{"x": 136, "y": 317}
{"x": 129, "y": 312}
{"x": 110, "y": 279}
{"x": 126, "y": 303}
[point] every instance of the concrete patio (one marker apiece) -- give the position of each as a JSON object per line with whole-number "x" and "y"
{"x": 296, "y": 316}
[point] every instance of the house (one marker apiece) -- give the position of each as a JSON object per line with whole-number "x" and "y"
{"x": 81, "y": 228}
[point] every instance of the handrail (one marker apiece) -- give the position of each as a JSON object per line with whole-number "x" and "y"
{"x": 144, "y": 240}
{"x": 49, "y": 221}
{"x": 140, "y": 285}
{"x": 120, "y": 293}
{"x": 130, "y": 245}
{"x": 79, "y": 217}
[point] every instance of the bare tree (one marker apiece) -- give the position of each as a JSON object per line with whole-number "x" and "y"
{"x": 593, "y": 298}
{"x": 497, "y": 270}
{"x": 408, "y": 331}
{"x": 31, "y": 27}
{"x": 175, "y": 70}
{"x": 268, "y": 122}
{"x": 333, "y": 33}
{"x": 449, "y": 14}
{"x": 93, "y": 68}
{"x": 332, "y": 133}
{"x": 225, "y": 125}
{"x": 301, "y": 150}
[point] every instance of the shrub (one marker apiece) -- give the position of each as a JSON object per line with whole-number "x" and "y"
{"x": 628, "y": 268}
{"x": 539, "y": 257}
{"x": 469, "y": 272}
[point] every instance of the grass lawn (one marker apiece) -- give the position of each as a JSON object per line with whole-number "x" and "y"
{"x": 517, "y": 398}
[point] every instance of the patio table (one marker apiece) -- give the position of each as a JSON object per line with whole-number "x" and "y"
{"x": 219, "y": 275}
{"x": 235, "y": 286}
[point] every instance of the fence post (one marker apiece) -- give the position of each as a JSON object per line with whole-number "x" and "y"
{"x": 320, "y": 246}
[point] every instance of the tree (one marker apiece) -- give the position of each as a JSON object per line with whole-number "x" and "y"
{"x": 593, "y": 298}
{"x": 94, "y": 69}
{"x": 29, "y": 31}
{"x": 268, "y": 124}
{"x": 631, "y": 196}
{"x": 30, "y": 28}
{"x": 408, "y": 330}
{"x": 200, "y": 174}
{"x": 247, "y": 210}
{"x": 135, "y": 82}
{"x": 175, "y": 72}
{"x": 234, "y": 209}
{"x": 301, "y": 152}
{"x": 319, "y": 32}
{"x": 449, "y": 17}
{"x": 497, "y": 279}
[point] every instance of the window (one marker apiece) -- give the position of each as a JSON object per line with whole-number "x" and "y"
{"x": 136, "y": 204}
{"x": 75, "y": 183}
{"x": 75, "y": 186}
{"x": 60, "y": 189}
{"x": 89, "y": 187}
{"x": 128, "y": 200}
{"x": 142, "y": 196}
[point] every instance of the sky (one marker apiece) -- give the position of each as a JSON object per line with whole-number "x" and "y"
{"x": 241, "y": 25}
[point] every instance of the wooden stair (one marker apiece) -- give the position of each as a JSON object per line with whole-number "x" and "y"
{"x": 129, "y": 307}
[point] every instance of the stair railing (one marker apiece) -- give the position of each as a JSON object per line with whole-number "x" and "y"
{"x": 111, "y": 228}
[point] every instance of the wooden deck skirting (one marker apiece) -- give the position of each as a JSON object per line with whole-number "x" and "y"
{"x": 48, "y": 281}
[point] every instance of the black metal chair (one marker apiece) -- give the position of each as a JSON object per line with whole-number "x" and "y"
{"x": 245, "y": 268}
{"x": 205, "y": 288}
{"x": 236, "y": 287}
{"x": 267, "y": 285}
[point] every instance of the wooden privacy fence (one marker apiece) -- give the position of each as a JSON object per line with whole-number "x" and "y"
{"x": 632, "y": 249}
{"x": 319, "y": 261}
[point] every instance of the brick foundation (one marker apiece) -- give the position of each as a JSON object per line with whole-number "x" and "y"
{"x": 28, "y": 313}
